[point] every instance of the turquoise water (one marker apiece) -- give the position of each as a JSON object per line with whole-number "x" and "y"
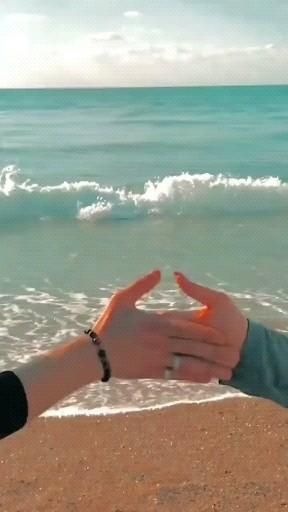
{"x": 100, "y": 186}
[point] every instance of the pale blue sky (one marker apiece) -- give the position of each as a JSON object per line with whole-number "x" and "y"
{"x": 142, "y": 42}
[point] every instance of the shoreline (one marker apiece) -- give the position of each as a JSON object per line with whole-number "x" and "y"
{"x": 222, "y": 456}
{"x": 66, "y": 412}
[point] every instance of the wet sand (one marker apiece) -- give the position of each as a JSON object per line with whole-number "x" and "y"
{"x": 223, "y": 456}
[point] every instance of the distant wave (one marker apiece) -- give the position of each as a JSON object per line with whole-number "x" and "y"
{"x": 183, "y": 194}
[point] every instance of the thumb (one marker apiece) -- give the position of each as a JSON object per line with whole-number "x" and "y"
{"x": 206, "y": 296}
{"x": 144, "y": 285}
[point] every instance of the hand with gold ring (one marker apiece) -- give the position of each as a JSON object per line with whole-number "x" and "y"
{"x": 224, "y": 331}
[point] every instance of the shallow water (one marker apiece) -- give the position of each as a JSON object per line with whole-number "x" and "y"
{"x": 99, "y": 187}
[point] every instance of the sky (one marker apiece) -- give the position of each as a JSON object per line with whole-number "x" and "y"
{"x": 132, "y": 43}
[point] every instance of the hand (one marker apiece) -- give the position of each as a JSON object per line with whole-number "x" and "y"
{"x": 141, "y": 344}
{"x": 220, "y": 315}
{"x": 136, "y": 341}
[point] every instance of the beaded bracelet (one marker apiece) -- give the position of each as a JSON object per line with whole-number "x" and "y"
{"x": 101, "y": 354}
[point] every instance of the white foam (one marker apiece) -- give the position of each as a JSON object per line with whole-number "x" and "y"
{"x": 8, "y": 180}
{"x": 188, "y": 193}
{"x": 72, "y": 410}
{"x": 184, "y": 193}
{"x": 95, "y": 211}
{"x": 9, "y": 184}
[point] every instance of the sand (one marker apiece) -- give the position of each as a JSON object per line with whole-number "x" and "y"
{"x": 223, "y": 456}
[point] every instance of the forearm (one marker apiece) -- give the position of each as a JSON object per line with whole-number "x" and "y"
{"x": 51, "y": 377}
{"x": 263, "y": 369}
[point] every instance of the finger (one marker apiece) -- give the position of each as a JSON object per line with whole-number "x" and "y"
{"x": 221, "y": 355}
{"x": 196, "y": 370}
{"x": 206, "y": 296}
{"x": 189, "y": 316}
{"x": 144, "y": 285}
{"x": 193, "y": 331}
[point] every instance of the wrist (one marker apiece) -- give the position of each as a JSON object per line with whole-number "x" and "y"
{"x": 88, "y": 362}
{"x": 111, "y": 347}
{"x": 56, "y": 374}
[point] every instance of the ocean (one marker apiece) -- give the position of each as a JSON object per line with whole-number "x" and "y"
{"x": 98, "y": 187}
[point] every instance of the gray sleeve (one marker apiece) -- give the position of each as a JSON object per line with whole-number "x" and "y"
{"x": 263, "y": 369}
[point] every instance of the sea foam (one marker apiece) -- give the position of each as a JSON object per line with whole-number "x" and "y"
{"x": 181, "y": 194}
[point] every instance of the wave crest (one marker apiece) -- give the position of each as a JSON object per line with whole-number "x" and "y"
{"x": 182, "y": 194}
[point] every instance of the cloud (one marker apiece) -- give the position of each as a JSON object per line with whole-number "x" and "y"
{"x": 130, "y": 56}
{"x": 180, "y": 53}
{"x": 23, "y": 18}
{"x": 132, "y": 14}
{"x": 106, "y": 37}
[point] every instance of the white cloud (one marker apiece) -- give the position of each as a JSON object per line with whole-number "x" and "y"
{"x": 129, "y": 57}
{"x": 173, "y": 52}
{"x": 132, "y": 14}
{"x": 106, "y": 37}
{"x": 23, "y": 18}
{"x": 187, "y": 46}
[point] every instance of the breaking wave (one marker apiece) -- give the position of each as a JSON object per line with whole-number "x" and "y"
{"x": 184, "y": 194}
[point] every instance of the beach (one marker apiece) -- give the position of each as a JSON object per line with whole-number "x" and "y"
{"x": 223, "y": 456}
{"x": 137, "y": 137}
{"x": 97, "y": 188}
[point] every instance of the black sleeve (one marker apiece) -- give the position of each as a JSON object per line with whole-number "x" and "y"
{"x": 13, "y": 404}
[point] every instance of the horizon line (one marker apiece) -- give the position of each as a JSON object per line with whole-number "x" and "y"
{"x": 102, "y": 88}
